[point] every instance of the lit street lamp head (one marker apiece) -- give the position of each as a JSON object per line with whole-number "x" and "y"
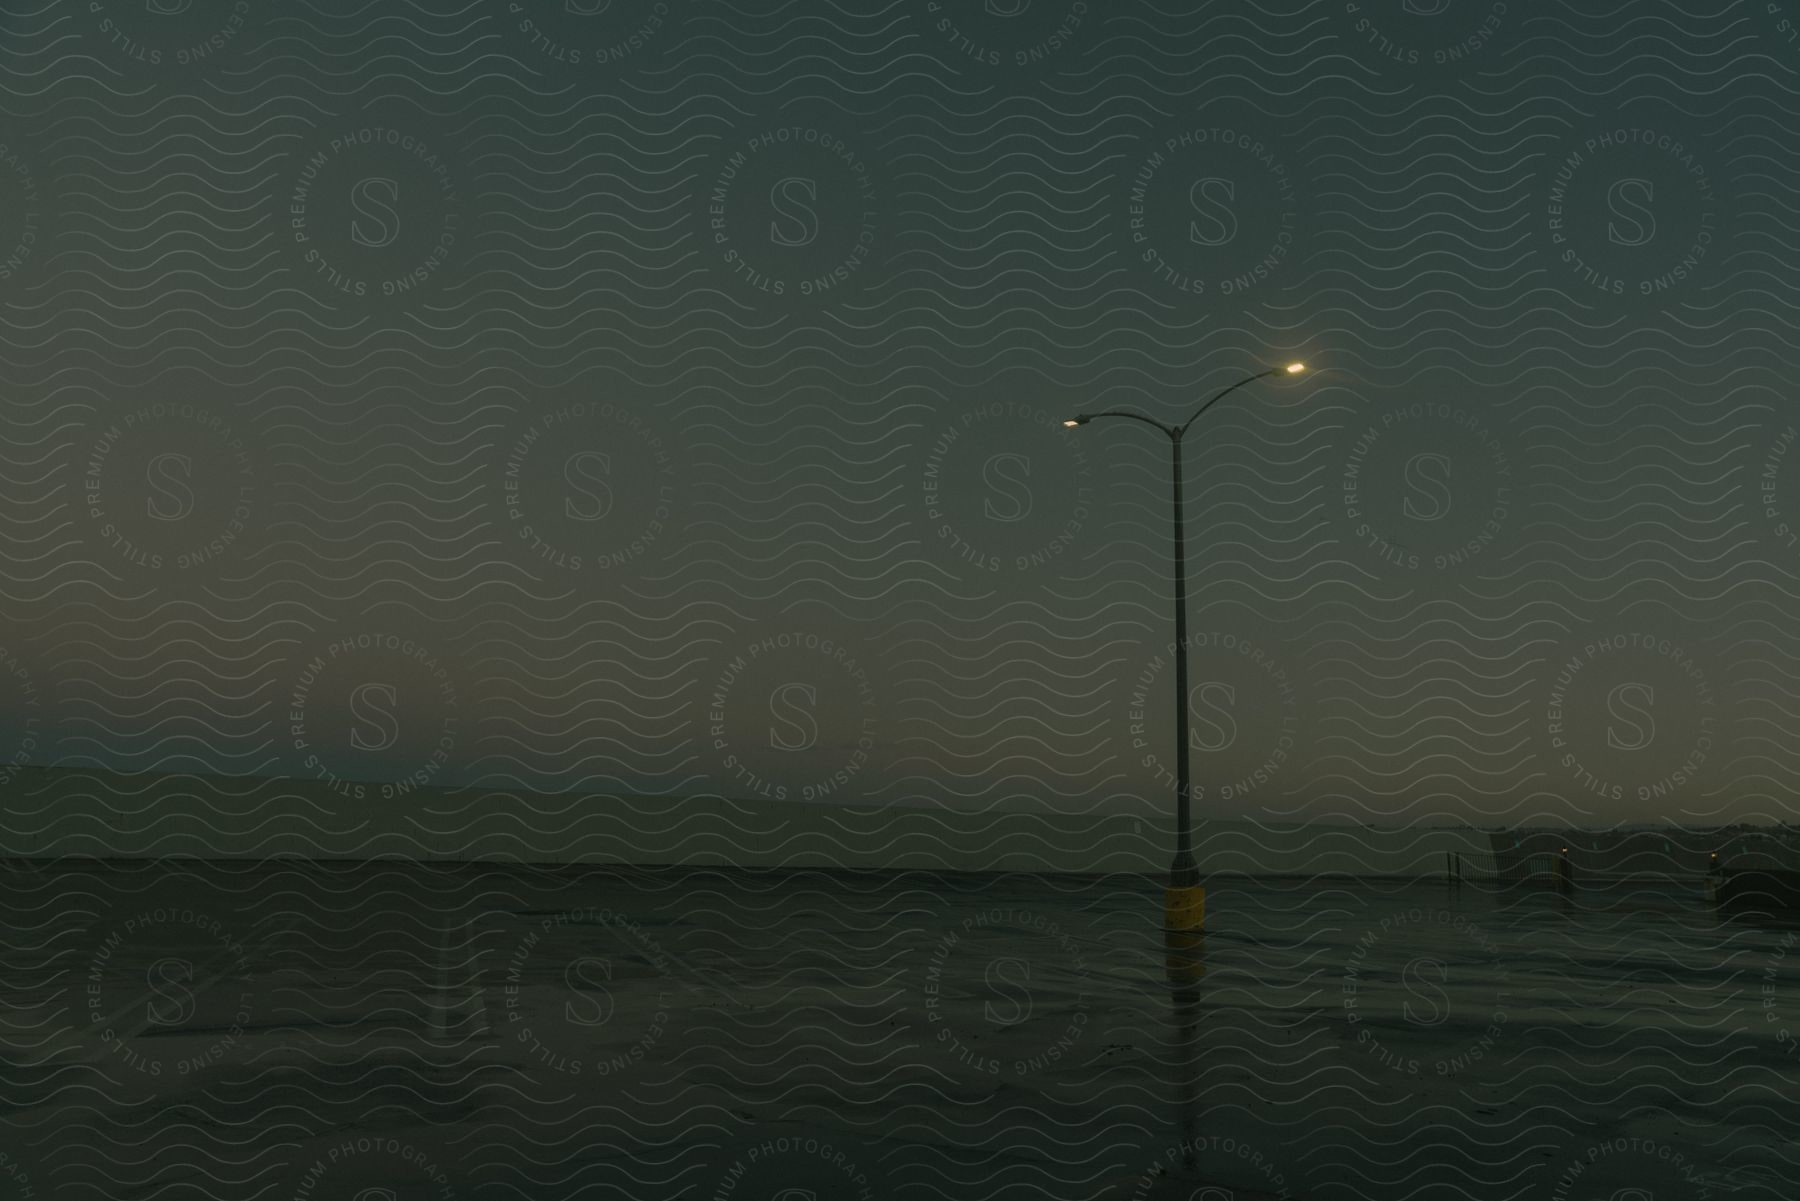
{"x": 1078, "y": 419}
{"x": 1295, "y": 368}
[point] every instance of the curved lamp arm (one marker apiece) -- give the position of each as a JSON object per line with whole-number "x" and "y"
{"x": 1248, "y": 379}
{"x": 1175, "y": 432}
{"x": 1084, "y": 418}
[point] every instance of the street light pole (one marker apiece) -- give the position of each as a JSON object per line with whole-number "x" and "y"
{"x": 1185, "y": 906}
{"x": 1184, "y": 872}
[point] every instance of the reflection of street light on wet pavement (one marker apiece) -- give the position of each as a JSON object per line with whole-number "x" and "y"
{"x": 1184, "y": 954}
{"x": 1185, "y": 906}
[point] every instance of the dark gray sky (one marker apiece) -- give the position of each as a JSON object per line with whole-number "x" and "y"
{"x": 662, "y": 398}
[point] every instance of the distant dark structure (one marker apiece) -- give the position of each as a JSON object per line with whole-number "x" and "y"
{"x": 1587, "y": 857}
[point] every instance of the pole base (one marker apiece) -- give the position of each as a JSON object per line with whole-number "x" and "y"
{"x": 1184, "y": 908}
{"x": 1184, "y": 954}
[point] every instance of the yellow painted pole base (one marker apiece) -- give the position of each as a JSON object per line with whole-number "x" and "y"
{"x": 1184, "y": 908}
{"x": 1184, "y": 954}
